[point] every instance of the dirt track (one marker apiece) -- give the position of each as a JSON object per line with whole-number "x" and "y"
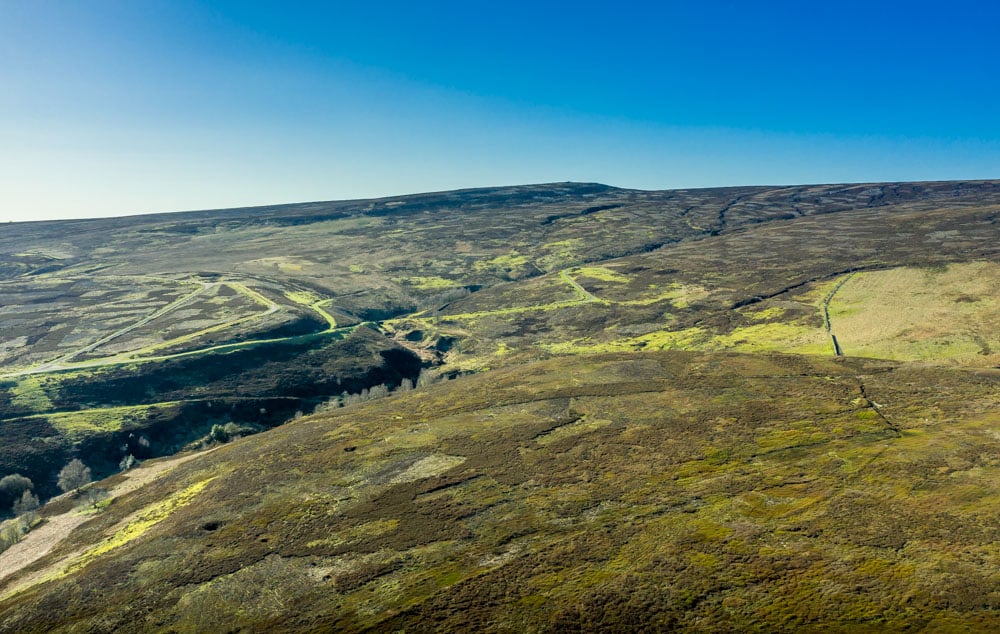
{"x": 45, "y": 538}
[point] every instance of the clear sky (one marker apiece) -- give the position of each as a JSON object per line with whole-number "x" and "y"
{"x": 112, "y": 107}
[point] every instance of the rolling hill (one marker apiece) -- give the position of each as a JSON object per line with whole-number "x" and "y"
{"x": 754, "y": 408}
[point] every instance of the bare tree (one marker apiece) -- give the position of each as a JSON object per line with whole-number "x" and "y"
{"x": 427, "y": 377}
{"x": 378, "y": 391}
{"x": 73, "y": 476}
{"x": 27, "y": 503}
{"x": 10, "y": 533}
{"x": 95, "y": 495}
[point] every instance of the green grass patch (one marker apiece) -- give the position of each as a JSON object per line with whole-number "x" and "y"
{"x": 139, "y": 524}
{"x": 78, "y": 425}
{"x": 429, "y": 283}
{"x": 601, "y": 273}
{"x": 509, "y": 261}
{"x": 950, "y": 314}
{"x": 29, "y": 393}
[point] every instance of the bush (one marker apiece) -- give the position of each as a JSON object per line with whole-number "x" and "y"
{"x": 13, "y": 530}
{"x": 12, "y": 487}
{"x": 219, "y": 433}
{"x": 127, "y": 462}
{"x": 230, "y": 431}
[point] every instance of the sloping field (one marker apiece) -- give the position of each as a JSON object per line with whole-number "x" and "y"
{"x": 949, "y": 313}
{"x": 737, "y": 409}
{"x": 672, "y": 490}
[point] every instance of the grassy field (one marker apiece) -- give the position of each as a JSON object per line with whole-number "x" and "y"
{"x": 48, "y": 317}
{"x": 948, "y": 313}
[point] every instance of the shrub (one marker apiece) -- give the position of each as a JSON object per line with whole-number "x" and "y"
{"x": 218, "y": 434}
{"x": 12, "y": 487}
{"x": 128, "y": 462}
{"x": 230, "y": 431}
{"x": 13, "y": 530}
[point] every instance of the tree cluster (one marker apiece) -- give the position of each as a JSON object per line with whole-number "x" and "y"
{"x": 16, "y": 492}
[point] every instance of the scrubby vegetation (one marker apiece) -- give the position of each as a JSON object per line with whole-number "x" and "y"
{"x": 685, "y": 490}
{"x": 13, "y": 530}
{"x": 738, "y": 409}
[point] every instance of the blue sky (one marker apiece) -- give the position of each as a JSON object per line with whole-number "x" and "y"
{"x": 112, "y": 107}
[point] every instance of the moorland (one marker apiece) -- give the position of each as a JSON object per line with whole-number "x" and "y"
{"x": 547, "y": 407}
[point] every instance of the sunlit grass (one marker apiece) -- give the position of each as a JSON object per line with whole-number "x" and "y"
{"x": 922, "y": 314}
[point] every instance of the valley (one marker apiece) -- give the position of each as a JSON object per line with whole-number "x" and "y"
{"x": 725, "y": 409}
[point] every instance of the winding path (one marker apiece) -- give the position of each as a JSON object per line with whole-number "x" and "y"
{"x": 65, "y": 362}
{"x": 585, "y": 295}
{"x": 183, "y": 301}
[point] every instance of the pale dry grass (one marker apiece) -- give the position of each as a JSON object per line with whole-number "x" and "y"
{"x": 46, "y": 537}
{"x": 428, "y": 467}
{"x": 948, "y": 314}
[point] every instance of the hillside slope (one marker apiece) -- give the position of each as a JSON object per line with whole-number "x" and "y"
{"x": 710, "y": 491}
{"x": 740, "y": 408}
{"x": 787, "y": 284}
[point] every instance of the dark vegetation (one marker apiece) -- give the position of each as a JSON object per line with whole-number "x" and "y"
{"x": 668, "y": 428}
{"x": 259, "y": 387}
